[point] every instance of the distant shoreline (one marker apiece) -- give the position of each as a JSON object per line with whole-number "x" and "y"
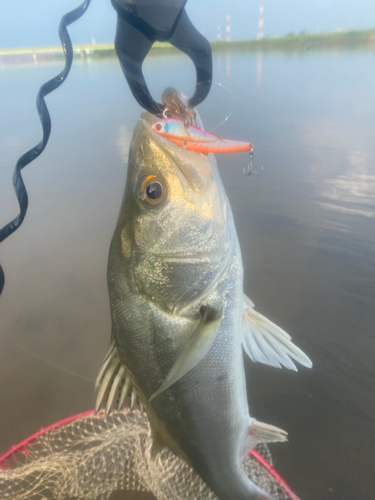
{"x": 334, "y": 40}
{"x": 322, "y": 41}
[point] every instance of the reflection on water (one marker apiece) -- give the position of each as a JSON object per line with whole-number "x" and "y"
{"x": 353, "y": 191}
{"x": 306, "y": 228}
{"x": 227, "y": 62}
{"x": 123, "y": 142}
{"x": 259, "y": 67}
{"x": 28, "y": 60}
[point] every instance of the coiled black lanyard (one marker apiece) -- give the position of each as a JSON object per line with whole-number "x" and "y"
{"x": 140, "y": 23}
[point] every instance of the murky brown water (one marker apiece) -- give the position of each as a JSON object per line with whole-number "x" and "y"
{"x": 306, "y": 228}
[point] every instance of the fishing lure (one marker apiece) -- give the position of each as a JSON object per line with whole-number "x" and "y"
{"x": 196, "y": 139}
{"x": 200, "y": 141}
{"x": 176, "y": 130}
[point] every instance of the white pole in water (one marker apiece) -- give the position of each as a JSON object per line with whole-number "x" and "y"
{"x": 260, "y": 33}
{"x": 218, "y": 37}
{"x": 227, "y": 31}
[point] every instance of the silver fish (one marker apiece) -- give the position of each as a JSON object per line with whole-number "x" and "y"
{"x": 180, "y": 320}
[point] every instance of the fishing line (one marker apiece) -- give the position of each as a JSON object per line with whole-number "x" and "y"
{"x": 45, "y": 119}
{"x": 249, "y": 169}
{"x": 47, "y": 362}
{"x": 233, "y": 99}
{"x": 234, "y": 104}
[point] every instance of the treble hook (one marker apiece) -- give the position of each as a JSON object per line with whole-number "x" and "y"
{"x": 250, "y": 169}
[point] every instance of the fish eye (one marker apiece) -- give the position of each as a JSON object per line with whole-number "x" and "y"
{"x": 159, "y": 127}
{"x": 151, "y": 190}
{"x": 154, "y": 190}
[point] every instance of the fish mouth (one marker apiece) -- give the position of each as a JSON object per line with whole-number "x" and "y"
{"x": 194, "y": 167}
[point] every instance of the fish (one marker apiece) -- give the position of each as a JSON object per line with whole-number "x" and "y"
{"x": 196, "y": 139}
{"x": 180, "y": 320}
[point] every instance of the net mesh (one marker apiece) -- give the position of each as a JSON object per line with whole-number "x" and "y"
{"x": 94, "y": 456}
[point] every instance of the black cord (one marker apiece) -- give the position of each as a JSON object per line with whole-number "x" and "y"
{"x": 45, "y": 119}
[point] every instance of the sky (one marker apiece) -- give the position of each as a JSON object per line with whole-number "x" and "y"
{"x": 26, "y": 23}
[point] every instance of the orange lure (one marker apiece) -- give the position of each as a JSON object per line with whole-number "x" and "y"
{"x": 198, "y": 140}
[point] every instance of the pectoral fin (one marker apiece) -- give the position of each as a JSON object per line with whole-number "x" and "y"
{"x": 266, "y": 343}
{"x": 195, "y": 348}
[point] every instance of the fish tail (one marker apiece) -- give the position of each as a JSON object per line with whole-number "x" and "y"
{"x": 238, "y": 486}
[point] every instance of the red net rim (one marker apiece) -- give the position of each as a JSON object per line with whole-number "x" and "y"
{"x": 22, "y": 446}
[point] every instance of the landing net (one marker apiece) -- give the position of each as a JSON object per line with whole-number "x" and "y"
{"x": 90, "y": 457}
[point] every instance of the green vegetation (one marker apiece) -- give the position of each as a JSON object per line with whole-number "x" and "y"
{"x": 303, "y": 41}
{"x": 324, "y": 41}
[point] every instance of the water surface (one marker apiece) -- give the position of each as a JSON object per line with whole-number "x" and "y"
{"x": 306, "y": 229}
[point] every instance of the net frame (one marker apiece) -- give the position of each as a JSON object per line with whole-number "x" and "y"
{"x": 16, "y": 456}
